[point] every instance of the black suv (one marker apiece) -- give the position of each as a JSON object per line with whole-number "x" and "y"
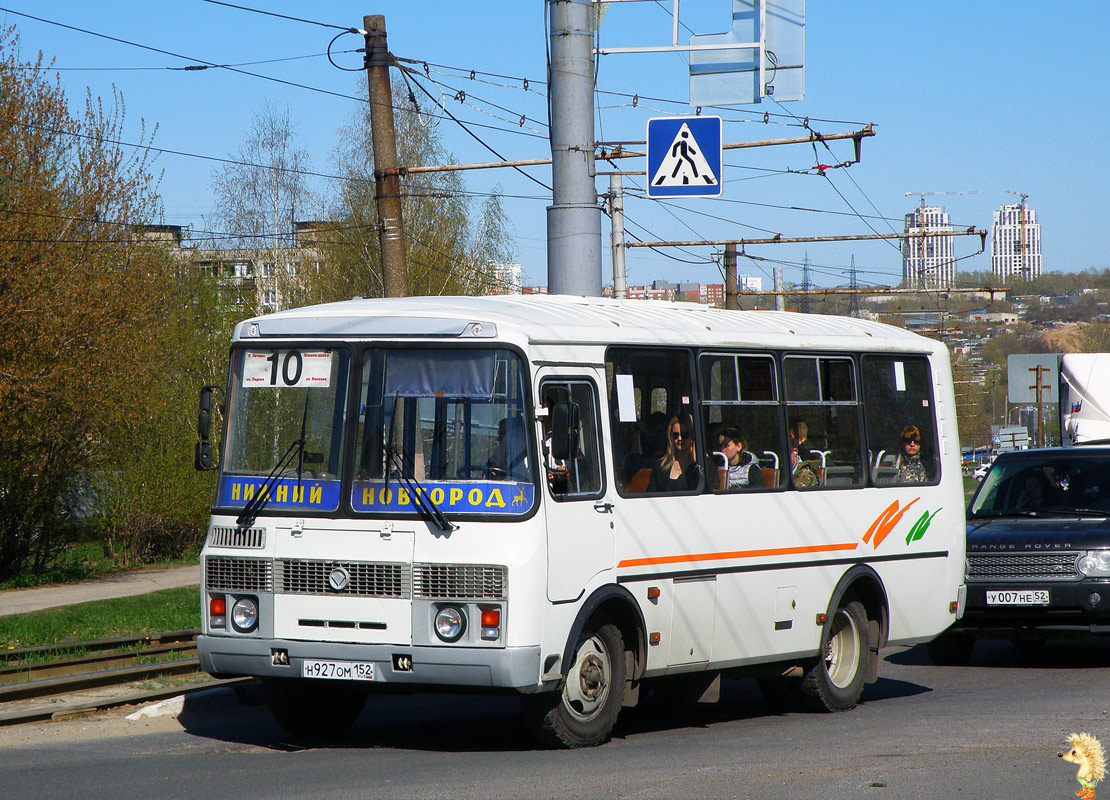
{"x": 1038, "y": 551}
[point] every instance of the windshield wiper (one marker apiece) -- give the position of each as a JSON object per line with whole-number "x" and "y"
{"x": 420, "y": 496}
{"x": 258, "y": 502}
{"x": 1075, "y": 512}
{"x": 423, "y": 500}
{"x": 1005, "y": 512}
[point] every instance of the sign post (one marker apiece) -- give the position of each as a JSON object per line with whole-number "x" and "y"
{"x": 684, "y": 157}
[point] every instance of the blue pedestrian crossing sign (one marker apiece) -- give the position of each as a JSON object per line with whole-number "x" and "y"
{"x": 684, "y": 156}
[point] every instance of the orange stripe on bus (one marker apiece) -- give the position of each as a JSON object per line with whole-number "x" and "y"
{"x": 773, "y": 551}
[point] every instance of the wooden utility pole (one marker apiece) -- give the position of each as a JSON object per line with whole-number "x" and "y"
{"x": 732, "y": 295}
{"x": 1039, "y": 371}
{"x": 387, "y": 181}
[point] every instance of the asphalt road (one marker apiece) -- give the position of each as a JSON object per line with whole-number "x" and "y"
{"x": 989, "y": 730}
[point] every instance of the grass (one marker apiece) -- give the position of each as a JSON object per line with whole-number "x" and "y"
{"x": 84, "y": 561}
{"x": 166, "y": 610}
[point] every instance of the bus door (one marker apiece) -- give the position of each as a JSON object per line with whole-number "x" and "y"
{"x": 579, "y": 512}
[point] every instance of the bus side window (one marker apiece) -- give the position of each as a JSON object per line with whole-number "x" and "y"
{"x": 823, "y": 409}
{"x": 739, "y": 398}
{"x": 577, "y": 475}
{"x": 898, "y": 399}
{"x": 647, "y": 387}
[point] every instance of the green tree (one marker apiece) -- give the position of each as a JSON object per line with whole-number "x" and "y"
{"x": 90, "y": 311}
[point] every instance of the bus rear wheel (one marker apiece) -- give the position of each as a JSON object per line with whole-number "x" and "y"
{"x": 313, "y": 708}
{"x": 583, "y": 713}
{"x": 835, "y": 682}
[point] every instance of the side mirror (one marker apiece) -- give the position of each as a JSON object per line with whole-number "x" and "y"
{"x": 204, "y": 415}
{"x": 565, "y": 425}
{"x": 203, "y": 459}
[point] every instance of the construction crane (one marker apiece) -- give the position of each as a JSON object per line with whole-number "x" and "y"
{"x": 1022, "y": 267}
{"x": 921, "y": 219}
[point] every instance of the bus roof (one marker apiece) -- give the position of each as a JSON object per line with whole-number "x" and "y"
{"x": 547, "y": 319}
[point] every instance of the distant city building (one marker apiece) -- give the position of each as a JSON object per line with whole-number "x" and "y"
{"x": 927, "y": 262}
{"x": 269, "y": 277}
{"x": 507, "y": 279}
{"x": 1000, "y": 317}
{"x": 1016, "y": 243}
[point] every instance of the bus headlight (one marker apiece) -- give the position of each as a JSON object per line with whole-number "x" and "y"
{"x": 1096, "y": 563}
{"x": 244, "y": 615}
{"x": 450, "y": 623}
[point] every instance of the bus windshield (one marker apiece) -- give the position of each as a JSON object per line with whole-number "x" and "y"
{"x": 453, "y": 420}
{"x": 286, "y": 406}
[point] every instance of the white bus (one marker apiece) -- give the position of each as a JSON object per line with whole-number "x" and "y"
{"x": 531, "y": 494}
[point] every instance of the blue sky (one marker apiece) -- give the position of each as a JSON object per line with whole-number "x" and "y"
{"x": 965, "y": 97}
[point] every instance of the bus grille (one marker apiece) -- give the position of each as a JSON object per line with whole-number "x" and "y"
{"x": 367, "y": 579}
{"x": 238, "y": 574}
{"x": 461, "y": 581}
{"x": 248, "y": 539}
{"x": 1022, "y": 566}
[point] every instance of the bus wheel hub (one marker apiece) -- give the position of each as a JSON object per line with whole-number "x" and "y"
{"x": 591, "y": 677}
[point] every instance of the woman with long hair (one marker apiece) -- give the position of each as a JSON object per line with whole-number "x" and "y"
{"x": 677, "y": 470}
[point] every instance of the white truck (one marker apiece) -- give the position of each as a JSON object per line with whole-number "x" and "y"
{"x": 1084, "y": 398}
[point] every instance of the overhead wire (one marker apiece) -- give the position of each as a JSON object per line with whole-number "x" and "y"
{"x": 408, "y": 73}
{"x": 346, "y": 28}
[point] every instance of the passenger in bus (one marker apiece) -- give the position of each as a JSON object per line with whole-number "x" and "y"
{"x": 911, "y": 465}
{"x": 743, "y": 467}
{"x": 677, "y": 470}
{"x": 799, "y": 432}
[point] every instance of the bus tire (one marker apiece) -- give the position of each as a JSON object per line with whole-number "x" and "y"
{"x": 951, "y": 649}
{"x": 835, "y": 682}
{"x": 583, "y": 712}
{"x": 313, "y": 708}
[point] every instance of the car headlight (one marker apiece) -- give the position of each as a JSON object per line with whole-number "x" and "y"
{"x": 1096, "y": 563}
{"x": 244, "y": 614}
{"x": 450, "y": 623}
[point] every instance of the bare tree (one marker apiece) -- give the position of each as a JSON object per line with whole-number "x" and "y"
{"x": 258, "y": 199}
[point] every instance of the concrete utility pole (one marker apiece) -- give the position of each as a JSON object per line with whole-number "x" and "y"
{"x": 616, "y": 236}
{"x": 732, "y": 294}
{"x": 387, "y": 180}
{"x": 573, "y": 218}
{"x": 780, "y": 301}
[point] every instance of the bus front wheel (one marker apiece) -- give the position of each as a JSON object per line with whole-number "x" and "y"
{"x": 313, "y": 708}
{"x": 583, "y": 713}
{"x": 835, "y": 682}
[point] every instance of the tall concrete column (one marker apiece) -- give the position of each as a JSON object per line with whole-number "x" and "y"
{"x": 573, "y": 218}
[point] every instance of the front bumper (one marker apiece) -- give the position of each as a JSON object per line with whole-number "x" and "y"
{"x": 1074, "y": 608}
{"x": 509, "y": 667}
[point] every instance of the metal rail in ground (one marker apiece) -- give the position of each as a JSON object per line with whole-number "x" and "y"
{"x": 54, "y": 713}
{"x": 100, "y": 664}
{"x": 96, "y": 645}
{"x": 37, "y": 671}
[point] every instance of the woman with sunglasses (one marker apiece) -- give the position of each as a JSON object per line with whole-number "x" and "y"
{"x": 911, "y": 467}
{"x": 677, "y": 470}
